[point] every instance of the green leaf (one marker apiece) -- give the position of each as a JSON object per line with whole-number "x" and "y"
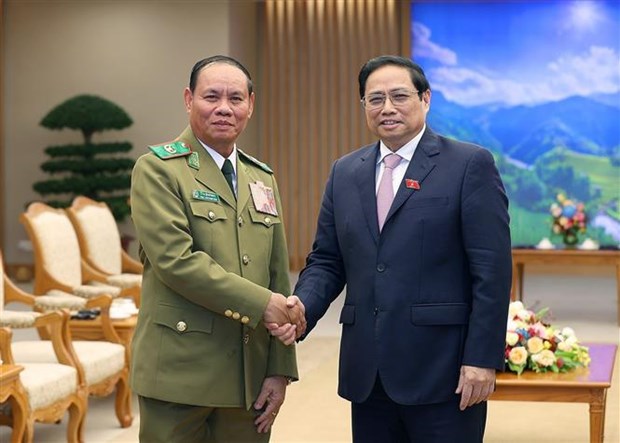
{"x": 88, "y": 113}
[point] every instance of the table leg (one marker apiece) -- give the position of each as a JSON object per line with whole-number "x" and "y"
{"x": 597, "y": 415}
{"x": 515, "y": 289}
{"x": 516, "y": 292}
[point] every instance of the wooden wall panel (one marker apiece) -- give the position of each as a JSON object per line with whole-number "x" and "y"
{"x": 3, "y": 185}
{"x": 307, "y": 95}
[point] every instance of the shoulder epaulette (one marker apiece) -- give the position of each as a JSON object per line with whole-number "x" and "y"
{"x": 253, "y": 160}
{"x": 171, "y": 150}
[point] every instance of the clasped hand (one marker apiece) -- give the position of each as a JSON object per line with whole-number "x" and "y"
{"x": 285, "y": 318}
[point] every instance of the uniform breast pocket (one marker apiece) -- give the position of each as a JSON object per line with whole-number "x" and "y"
{"x": 208, "y": 223}
{"x": 210, "y": 211}
{"x": 268, "y": 221}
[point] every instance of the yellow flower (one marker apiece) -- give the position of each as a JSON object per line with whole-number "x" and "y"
{"x": 535, "y": 345}
{"x": 518, "y": 355}
{"x": 512, "y": 338}
{"x": 544, "y": 358}
{"x": 563, "y": 346}
{"x": 514, "y": 307}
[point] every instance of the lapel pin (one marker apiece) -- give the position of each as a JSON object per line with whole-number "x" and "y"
{"x": 412, "y": 184}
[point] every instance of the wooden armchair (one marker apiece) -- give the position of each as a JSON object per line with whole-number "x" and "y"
{"x": 44, "y": 390}
{"x": 100, "y": 246}
{"x": 102, "y": 366}
{"x": 51, "y": 390}
{"x": 60, "y": 275}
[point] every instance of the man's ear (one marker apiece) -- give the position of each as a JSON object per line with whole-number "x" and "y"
{"x": 188, "y": 97}
{"x": 426, "y": 97}
{"x": 251, "y": 108}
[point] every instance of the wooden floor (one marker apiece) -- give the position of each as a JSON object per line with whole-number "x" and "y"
{"x": 313, "y": 413}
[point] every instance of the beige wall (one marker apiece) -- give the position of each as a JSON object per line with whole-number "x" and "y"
{"x": 136, "y": 53}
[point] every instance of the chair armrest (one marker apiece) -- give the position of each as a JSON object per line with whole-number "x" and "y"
{"x": 13, "y": 293}
{"x": 89, "y": 273}
{"x": 5, "y": 346}
{"x": 56, "y": 325}
{"x": 129, "y": 264}
{"x": 103, "y": 302}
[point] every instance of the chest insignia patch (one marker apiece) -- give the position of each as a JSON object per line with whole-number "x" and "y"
{"x": 206, "y": 196}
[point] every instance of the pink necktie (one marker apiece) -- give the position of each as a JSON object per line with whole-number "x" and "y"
{"x": 385, "y": 194}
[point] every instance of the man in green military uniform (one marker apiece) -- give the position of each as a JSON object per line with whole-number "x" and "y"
{"x": 209, "y": 222}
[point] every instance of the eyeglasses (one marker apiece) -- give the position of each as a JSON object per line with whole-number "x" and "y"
{"x": 398, "y": 98}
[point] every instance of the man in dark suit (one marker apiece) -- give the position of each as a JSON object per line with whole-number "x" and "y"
{"x": 428, "y": 273}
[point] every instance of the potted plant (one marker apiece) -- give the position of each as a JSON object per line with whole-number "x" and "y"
{"x": 95, "y": 170}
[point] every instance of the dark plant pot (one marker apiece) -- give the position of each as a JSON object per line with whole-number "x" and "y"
{"x": 570, "y": 239}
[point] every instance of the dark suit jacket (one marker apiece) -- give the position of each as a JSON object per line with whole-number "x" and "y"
{"x": 431, "y": 291}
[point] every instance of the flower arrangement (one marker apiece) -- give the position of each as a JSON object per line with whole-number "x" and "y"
{"x": 569, "y": 218}
{"x": 533, "y": 344}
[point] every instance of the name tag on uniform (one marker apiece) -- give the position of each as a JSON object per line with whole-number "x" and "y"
{"x": 205, "y": 196}
{"x": 264, "y": 200}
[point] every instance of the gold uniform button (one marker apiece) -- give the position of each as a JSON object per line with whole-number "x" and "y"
{"x": 228, "y": 313}
{"x": 211, "y": 215}
{"x": 245, "y": 259}
{"x": 181, "y": 326}
{"x": 268, "y": 220}
{"x": 246, "y": 338}
{"x": 236, "y": 316}
{"x": 240, "y": 221}
{"x": 245, "y": 319}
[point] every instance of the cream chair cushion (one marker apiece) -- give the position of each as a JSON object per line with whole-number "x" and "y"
{"x": 102, "y": 237}
{"x": 18, "y": 319}
{"x": 100, "y": 359}
{"x": 56, "y": 299}
{"x": 124, "y": 281}
{"x": 47, "y": 383}
{"x": 95, "y": 289}
{"x": 59, "y": 247}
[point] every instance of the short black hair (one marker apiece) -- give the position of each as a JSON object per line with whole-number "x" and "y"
{"x": 418, "y": 78}
{"x": 200, "y": 65}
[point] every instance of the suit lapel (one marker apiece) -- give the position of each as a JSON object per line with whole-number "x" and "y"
{"x": 365, "y": 180}
{"x": 208, "y": 174}
{"x": 419, "y": 167}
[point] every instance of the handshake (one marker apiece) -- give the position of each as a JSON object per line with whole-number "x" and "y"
{"x": 285, "y": 317}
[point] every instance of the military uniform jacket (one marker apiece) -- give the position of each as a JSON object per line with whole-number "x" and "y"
{"x": 210, "y": 264}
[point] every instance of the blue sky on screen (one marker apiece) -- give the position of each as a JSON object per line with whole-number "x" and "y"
{"x": 518, "y": 53}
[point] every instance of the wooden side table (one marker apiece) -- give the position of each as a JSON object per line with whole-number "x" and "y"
{"x": 522, "y": 257}
{"x": 91, "y": 329}
{"x": 583, "y": 385}
{"x": 11, "y": 389}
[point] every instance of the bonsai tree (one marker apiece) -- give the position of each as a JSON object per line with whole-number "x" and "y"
{"x": 95, "y": 170}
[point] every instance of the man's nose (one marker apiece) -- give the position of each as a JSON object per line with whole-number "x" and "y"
{"x": 388, "y": 106}
{"x": 224, "y": 107}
